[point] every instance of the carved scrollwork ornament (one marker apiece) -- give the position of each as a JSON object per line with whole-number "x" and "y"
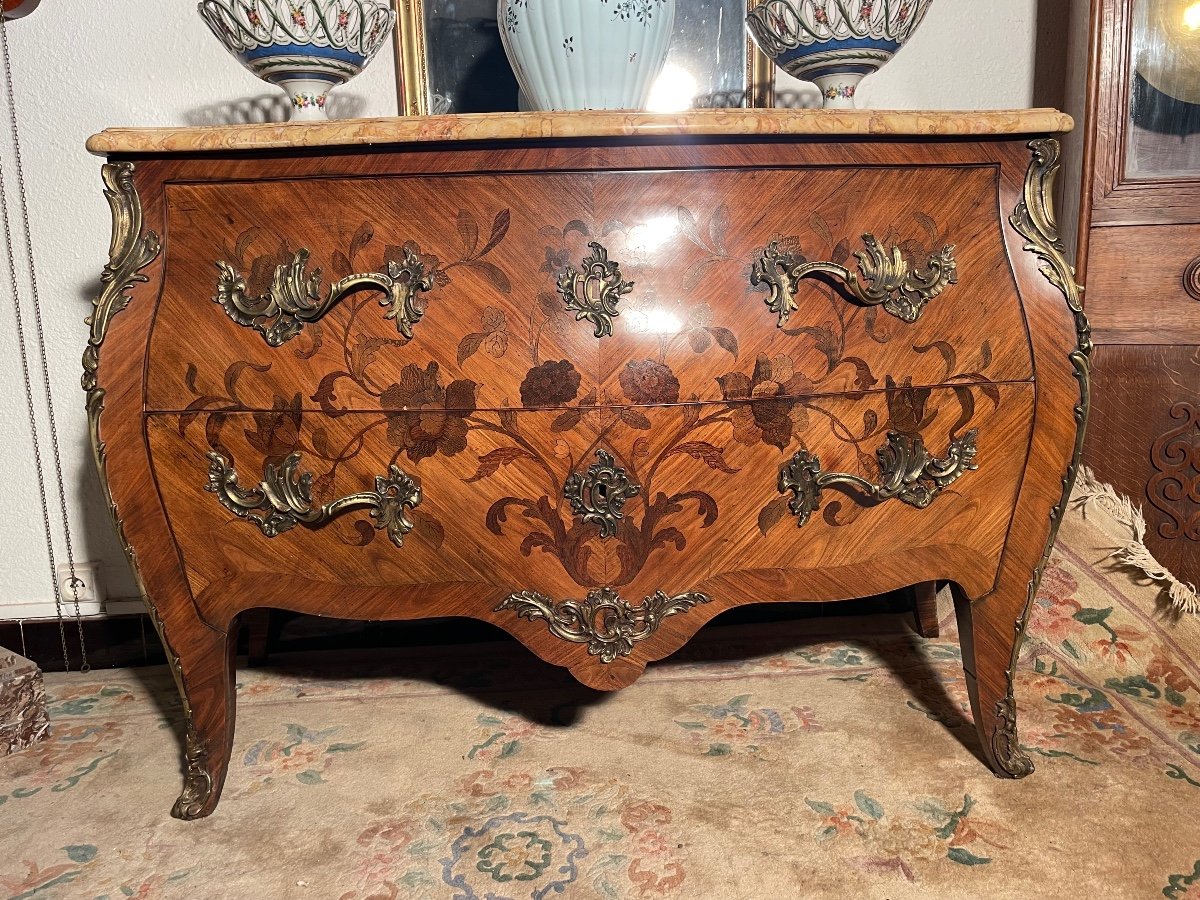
{"x": 907, "y": 472}
{"x": 887, "y": 280}
{"x": 1175, "y": 456}
{"x": 599, "y": 495}
{"x": 283, "y": 499}
{"x": 607, "y": 624}
{"x": 594, "y": 291}
{"x": 294, "y": 297}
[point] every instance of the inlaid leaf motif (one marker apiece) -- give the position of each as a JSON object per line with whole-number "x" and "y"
{"x": 687, "y": 224}
{"x": 234, "y": 372}
{"x": 493, "y": 274}
{"x": 468, "y": 230}
{"x": 634, "y": 418}
{"x": 363, "y": 236}
{"x": 711, "y": 455}
{"x": 841, "y": 252}
{"x": 468, "y": 345}
{"x": 340, "y": 264}
{"x": 567, "y": 420}
{"x": 490, "y": 463}
{"x": 946, "y": 350}
{"x": 863, "y": 379}
{"x": 428, "y": 528}
{"x": 366, "y": 533}
{"x": 772, "y": 514}
{"x": 725, "y": 339}
{"x": 365, "y": 352}
{"x": 718, "y": 227}
{"x": 499, "y": 229}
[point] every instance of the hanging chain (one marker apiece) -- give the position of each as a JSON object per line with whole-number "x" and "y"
{"x": 41, "y": 340}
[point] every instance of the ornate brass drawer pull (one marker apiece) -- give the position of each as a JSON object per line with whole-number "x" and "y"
{"x": 599, "y": 495}
{"x": 886, "y": 279}
{"x": 295, "y": 296}
{"x": 906, "y": 469}
{"x": 594, "y": 292}
{"x": 606, "y": 623}
{"x": 283, "y": 499}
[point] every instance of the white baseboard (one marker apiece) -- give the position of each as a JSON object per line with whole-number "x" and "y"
{"x": 45, "y": 610}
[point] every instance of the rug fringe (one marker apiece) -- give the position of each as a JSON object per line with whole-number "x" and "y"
{"x": 1181, "y": 596}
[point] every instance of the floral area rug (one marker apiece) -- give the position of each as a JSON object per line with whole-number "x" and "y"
{"x": 826, "y": 758}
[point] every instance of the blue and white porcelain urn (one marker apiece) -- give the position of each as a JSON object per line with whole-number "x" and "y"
{"x": 305, "y": 47}
{"x": 834, "y": 43}
{"x": 586, "y": 54}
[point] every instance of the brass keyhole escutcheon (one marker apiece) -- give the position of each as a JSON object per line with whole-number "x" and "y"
{"x": 598, "y": 495}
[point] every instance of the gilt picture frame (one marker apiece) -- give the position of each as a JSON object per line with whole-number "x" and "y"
{"x": 449, "y": 58}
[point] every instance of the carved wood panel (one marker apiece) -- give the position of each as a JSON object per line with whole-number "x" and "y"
{"x": 1144, "y": 439}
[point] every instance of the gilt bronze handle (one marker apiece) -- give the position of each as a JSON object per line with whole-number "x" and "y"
{"x": 295, "y": 296}
{"x": 593, "y": 292}
{"x": 283, "y": 499}
{"x": 886, "y": 280}
{"x": 907, "y": 472}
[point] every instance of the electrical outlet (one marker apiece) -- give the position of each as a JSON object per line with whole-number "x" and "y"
{"x": 88, "y": 586}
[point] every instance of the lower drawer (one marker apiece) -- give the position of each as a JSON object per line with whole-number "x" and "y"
{"x": 669, "y": 498}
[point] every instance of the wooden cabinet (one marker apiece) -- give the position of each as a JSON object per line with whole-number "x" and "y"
{"x": 595, "y": 389}
{"x": 1139, "y": 251}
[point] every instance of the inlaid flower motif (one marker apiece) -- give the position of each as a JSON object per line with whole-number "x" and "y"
{"x": 550, "y": 384}
{"x": 648, "y": 381}
{"x": 276, "y": 431}
{"x": 433, "y": 417}
{"x": 777, "y": 415}
{"x": 906, "y": 405}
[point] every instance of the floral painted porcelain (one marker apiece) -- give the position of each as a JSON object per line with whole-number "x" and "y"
{"x": 586, "y": 54}
{"x": 834, "y": 43}
{"x": 305, "y": 47}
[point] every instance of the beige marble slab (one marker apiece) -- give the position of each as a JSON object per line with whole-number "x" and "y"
{"x": 524, "y": 126}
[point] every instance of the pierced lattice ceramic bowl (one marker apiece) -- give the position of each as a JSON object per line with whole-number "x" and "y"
{"x": 305, "y": 47}
{"x": 834, "y": 43}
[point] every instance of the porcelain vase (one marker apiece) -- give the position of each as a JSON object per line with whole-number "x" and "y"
{"x": 586, "y": 54}
{"x": 834, "y": 43}
{"x": 305, "y": 47}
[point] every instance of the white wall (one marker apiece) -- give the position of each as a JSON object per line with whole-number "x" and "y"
{"x": 152, "y": 62}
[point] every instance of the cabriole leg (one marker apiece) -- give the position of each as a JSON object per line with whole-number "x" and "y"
{"x": 203, "y": 660}
{"x": 987, "y": 630}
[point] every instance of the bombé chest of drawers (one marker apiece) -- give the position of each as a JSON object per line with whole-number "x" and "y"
{"x": 591, "y": 378}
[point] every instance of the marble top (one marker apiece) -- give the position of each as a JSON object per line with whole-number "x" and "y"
{"x": 620, "y": 124}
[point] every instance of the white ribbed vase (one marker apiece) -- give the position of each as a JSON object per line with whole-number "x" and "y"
{"x": 586, "y": 54}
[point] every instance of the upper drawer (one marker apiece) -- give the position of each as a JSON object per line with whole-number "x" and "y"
{"x": 494, "y": 329}
{"x": 1138, "y": 282}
